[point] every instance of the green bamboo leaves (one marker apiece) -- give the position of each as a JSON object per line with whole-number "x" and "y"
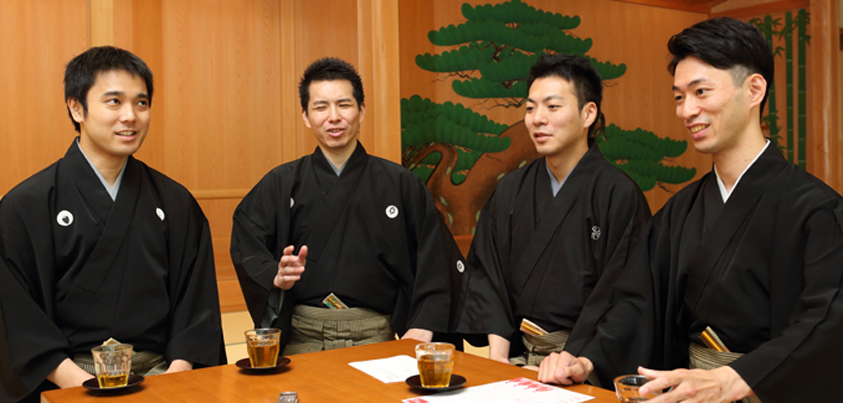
{"x": 795, "y": 146}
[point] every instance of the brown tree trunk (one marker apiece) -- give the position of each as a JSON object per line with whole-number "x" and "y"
{"x": 464, "y": 201}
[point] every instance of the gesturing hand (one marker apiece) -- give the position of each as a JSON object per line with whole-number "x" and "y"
{"x": 290, "y": 268}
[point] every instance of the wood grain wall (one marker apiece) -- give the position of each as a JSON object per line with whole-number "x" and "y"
{"x": 226, "y": 108}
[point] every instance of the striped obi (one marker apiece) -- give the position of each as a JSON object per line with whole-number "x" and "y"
{"x": 317, "y": 329}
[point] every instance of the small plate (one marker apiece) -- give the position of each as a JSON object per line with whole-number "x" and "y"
{"x": 247, "y": 365}
{"x": 93, "y": 384}
{"x": 457, "y": 381}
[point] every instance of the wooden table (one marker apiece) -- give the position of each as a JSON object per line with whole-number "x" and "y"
{"x": 317, "y": 377}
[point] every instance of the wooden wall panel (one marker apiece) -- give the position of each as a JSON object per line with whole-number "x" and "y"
{"x": 825, "y": 93}
{"x": 227, "y": 73}
{"x": 40, "y": 37}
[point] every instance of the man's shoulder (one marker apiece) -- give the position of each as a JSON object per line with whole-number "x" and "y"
{"x": 35, "y": 188}
{"x": 509, "y": 180}
{"x": 166, "y": 186}
{"x": 287, "y": 169}
{"x": 387, "y": 166}
{"x": 807, "y": 191}
{"x": 681, "y": 200}
{"x": 613, "y": 178}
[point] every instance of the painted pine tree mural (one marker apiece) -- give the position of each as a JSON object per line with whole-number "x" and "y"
{"x": 461, "y": 154}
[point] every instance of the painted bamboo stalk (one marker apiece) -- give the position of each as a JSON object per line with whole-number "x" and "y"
{"x": 801, "y": 44}
{"x": 787, "y": 32}
{"x": 772, "y": 111}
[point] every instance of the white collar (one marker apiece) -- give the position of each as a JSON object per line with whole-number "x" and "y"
{"x": 726, "y": 193}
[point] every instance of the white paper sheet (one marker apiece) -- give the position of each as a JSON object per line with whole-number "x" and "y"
{"x": 387, "y": 370}
{"x": 518, "y": 390}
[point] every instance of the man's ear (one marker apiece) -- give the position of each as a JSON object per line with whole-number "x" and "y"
{"x": 304, "y": 117}
{"x": 76, "y": 110}
{"x": 757, "y": 89}
{"x": 589, "y": 114}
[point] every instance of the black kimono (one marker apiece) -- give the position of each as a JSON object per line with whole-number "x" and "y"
{"x": 764, "y": 270}
{"x": 79, "y": 267}
{"x": 553, "y": 260}
{"x": 375, "y": 239}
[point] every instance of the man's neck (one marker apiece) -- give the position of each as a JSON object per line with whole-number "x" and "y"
{"x": 108, "y": 166}
{"x": 733, "y": 161}
{"x": 562, "y": 163}
{"x": 338, "y": 157}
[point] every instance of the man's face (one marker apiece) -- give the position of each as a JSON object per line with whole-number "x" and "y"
{"x": 117, "y": 119}
{"x": 334, "y": 115}
{"x": 715, "y": 110}
{"x": 553, "y": 117}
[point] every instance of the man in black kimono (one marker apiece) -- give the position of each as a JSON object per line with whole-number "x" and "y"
{"x": 99, "y": 245}
{"x": 554, "y": 236}
{"x": 753, "y": 251}
{"x": 341, "y": 248}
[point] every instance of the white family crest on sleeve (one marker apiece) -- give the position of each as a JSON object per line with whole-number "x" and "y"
{"x": 595, "y": 233}
{"x": 160, "y": 213}
{"x": 460, "y": 266}
{"x": 391, "y": 211}
{"x": 64, "y": 218}
{"x": 292, "y": 202}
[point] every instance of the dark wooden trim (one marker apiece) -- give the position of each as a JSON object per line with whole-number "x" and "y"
{"x": 764, "y": 9}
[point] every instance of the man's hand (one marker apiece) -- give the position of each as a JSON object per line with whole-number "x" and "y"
{"x": 564, "y": 369}
{"x": 418, "y": 334}
{"x": 68, "y": 375}
{"x": 290, "y": 268}
{"x": 179, "y": 366}
{"x": 696, "y": 385}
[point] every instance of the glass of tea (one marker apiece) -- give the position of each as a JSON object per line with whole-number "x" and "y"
{"x": 436, "y": 362}
{"x": 112, "y": 364}
{"x": 262, "y": 345}
{"x": 626, "y": 387}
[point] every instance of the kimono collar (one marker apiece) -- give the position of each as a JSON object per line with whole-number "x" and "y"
{"x": 355, "y": 161}
{"x": 726, "y": 193}
{"x": 111, "y": 190}
{"x": 555, "y": 184}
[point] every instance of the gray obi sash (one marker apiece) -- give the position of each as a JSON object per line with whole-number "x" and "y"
{"x": 316, "y": 329}
{"x": 539, "y": 347}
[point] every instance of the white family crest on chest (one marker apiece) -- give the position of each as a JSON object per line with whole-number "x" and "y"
{"x": 292, "y": 202}
{"x": 595, "y": 233}
{"x": 391, "y": 211}
{"x": 160, "y": 213}
{"x": 64, "y": 218}
{"x": 460, "y": 266}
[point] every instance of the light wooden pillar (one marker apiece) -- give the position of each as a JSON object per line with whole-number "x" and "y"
{"x": 100, "y": 23}
{"x": 827, "y": 136}
{"x": 379, "y": 53}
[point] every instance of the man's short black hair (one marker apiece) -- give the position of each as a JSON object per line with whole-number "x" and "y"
{"x": 330, "y": 69}
{"x": 727, "y": 44}
{"x": 81, "y": 73}
{"x": 588, "y": 85}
